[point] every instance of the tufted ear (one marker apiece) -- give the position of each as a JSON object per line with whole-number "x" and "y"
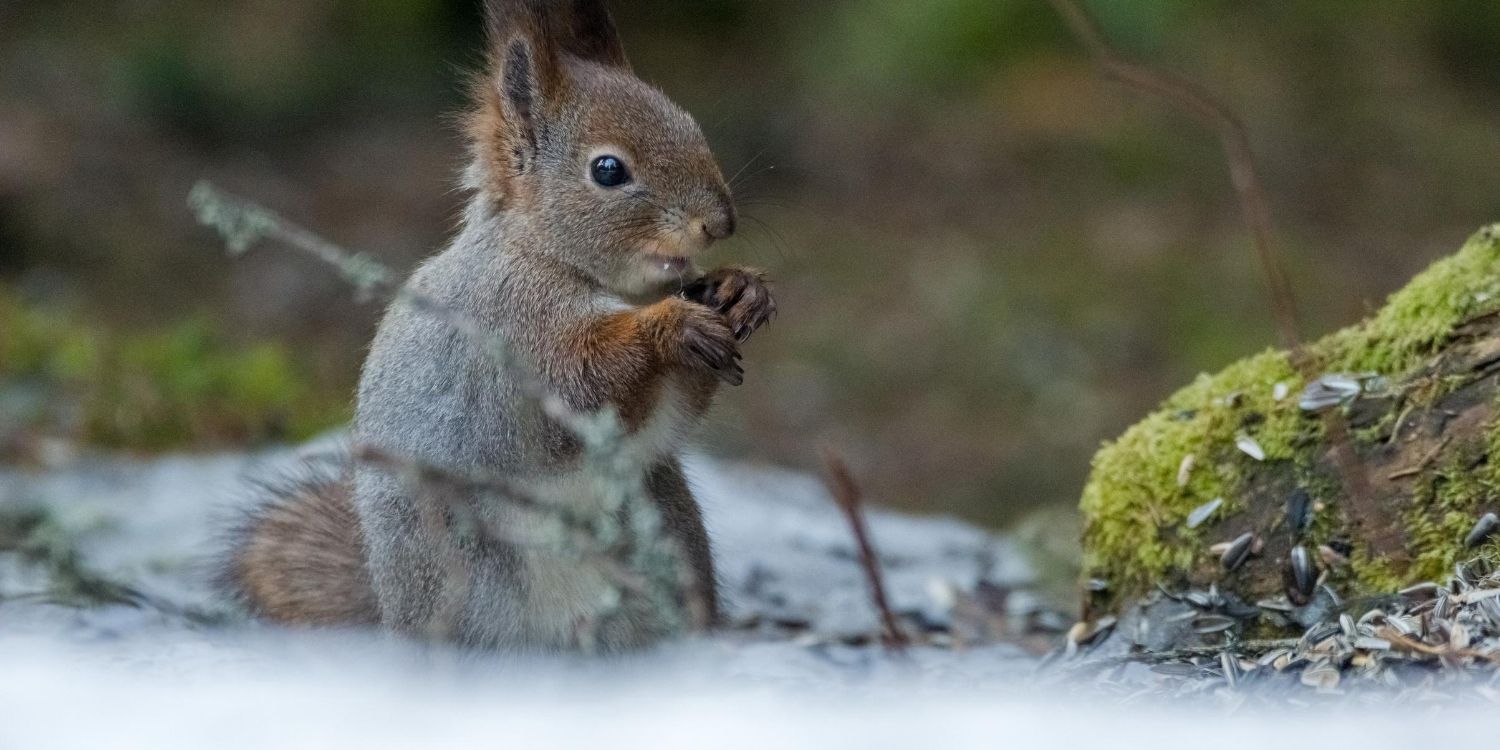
{"x": 583, "y": 29}
{"x": 592, "y": 35}
{"x": 526, "y": 80}
{"x": 525, "y": 75}
{"x": 521, "y": 91}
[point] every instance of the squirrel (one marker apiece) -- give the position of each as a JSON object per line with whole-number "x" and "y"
{"x": 591, "y": 197}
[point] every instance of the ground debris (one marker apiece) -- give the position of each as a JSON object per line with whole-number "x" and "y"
{"x": 1432, "y": 641}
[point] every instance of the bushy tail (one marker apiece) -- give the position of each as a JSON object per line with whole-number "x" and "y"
{"x": 297, "y": 557}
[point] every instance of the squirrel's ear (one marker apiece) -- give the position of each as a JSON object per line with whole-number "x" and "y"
{"x": 593, "y": 36}
{"x": 583, "y": 29}
{"x": 520, "y": 86}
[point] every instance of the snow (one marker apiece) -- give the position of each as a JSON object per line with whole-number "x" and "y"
{"x": 124, "y": 677}
{"x": 342, "y": 696}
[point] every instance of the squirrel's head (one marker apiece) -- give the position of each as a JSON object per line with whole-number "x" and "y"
{"x": 619, "y": 181}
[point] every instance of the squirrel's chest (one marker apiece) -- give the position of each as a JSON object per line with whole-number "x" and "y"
{"x": 659, "y": 435}
{"x": 663, "y": 429}
{"x": 563, "y": 592}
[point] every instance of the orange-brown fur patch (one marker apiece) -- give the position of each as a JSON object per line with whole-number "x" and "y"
{"x": 664, "y": 323}
{"x": 624, "y": 358}
{"x": 614, "y": 350}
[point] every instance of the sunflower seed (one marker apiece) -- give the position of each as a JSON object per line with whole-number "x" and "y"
{"x": 1269, "y": 658}
{"x": 1185, "y": 470}
{"x": 1331, "y": 556}
{"x": 1210, "y": 624}
{"x": 1286, "y": 660}
{"x": 1281, "y": 391}
{"x": 1301, "y": 575}
{"x": 1298, "y": 510}
{"x": 1323, "y": 676}
{"x": 1485, "y": 528}
{"x": 1250, "y": 447}
{"x": 1088, "y": 633}
{"x": 1230, "y": 667}
{"x": 1329, "y": 391}
{"x": 1238, "y": 551}
{"x": 1279, "y": 604}
{"x": 1404, "y": 625}
{"x": 1203, "y": 512}
{"x": 1199, "y": 599}
{"x": 1346, "y": 623}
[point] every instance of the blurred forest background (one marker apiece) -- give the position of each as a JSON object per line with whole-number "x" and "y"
{"x": 989, "y": 258}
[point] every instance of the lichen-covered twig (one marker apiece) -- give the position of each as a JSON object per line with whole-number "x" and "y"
{"x": 452, "y": 485}
{"x": 847, "y": 496}
{"x": 243, "y": 224}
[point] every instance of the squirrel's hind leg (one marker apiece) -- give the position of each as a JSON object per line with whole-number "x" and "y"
{"x": 682, "y": 517}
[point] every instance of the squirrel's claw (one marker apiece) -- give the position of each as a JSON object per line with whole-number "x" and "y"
{"x": 742, "y": 295}
{"x": 755, "y": 308}
{"x": 713, "y": 347}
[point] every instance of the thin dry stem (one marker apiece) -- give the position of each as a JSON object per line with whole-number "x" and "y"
{"x": 847, "y": 496}
{"x": 1194, "y": 100}
{"x": 1199, "y": 103}
{"x": 243, "y": 224}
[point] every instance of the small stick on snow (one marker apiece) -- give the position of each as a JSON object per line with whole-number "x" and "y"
{"x": 847, "y": 495}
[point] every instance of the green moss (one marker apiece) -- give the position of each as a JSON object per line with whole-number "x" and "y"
{"x": 185, "y": 386}
{"x": 1445, "y": 505}
{"x": 1374, "y": 573}
{"x": 1419, "y": 317}
{"x": 1135, "y": 510}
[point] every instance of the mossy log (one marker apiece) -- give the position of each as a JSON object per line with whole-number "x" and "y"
{"x": 1389, "y": 505}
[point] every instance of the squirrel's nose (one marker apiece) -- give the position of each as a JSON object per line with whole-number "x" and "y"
{"x": 719, "y": 226}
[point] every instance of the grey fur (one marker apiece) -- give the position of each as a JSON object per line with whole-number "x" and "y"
{"x": 530, "y": 275}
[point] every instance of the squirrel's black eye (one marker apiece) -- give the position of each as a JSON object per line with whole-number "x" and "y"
{"x": 609, "y": 171}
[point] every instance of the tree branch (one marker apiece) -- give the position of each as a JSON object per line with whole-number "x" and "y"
{"x": 1197, "y": 102}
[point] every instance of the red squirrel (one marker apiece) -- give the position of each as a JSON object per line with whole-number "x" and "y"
{"x": 592, "y": 196}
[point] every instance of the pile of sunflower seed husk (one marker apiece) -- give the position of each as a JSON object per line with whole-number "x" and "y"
{"x": 1431, "y": 641}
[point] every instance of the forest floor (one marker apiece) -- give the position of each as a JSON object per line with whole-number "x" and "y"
{"x": 109, "y": 636}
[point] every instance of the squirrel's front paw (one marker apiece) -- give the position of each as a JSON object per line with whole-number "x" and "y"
{"x": 708, "y": 343}
{"x": 740, "y": 294}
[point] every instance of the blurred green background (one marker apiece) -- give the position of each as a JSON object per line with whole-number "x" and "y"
{"x": 989, "y": 259}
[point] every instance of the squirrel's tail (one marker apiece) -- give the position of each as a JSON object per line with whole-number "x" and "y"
{"x": 297, "y": 557}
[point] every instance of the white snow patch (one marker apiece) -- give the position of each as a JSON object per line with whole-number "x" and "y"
{"x": 120, "y": 677}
